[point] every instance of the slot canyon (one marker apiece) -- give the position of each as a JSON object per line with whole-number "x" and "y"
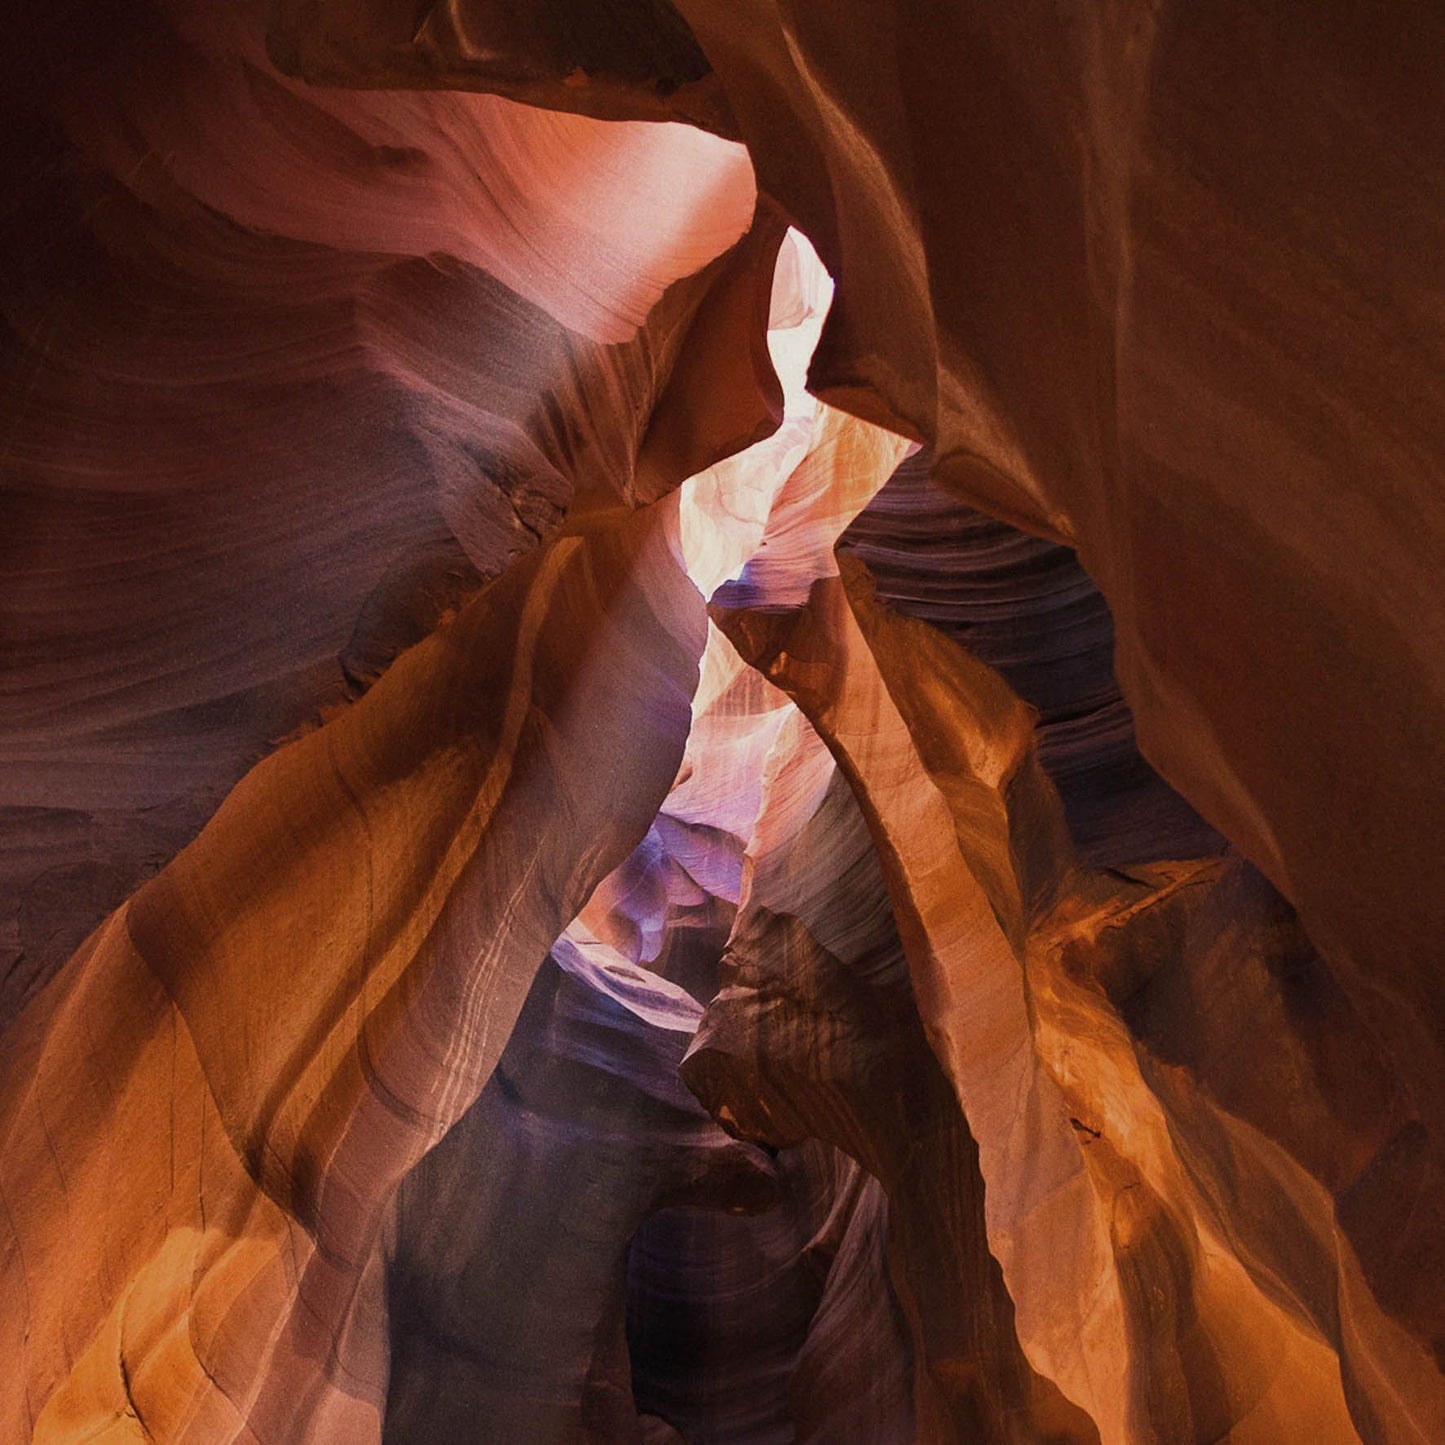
{"x": 722, "y": 722}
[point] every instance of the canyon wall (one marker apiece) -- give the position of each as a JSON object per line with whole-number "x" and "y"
{"x": 605, "y": 837}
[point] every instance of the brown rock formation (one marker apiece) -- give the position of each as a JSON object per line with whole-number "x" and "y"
{"x": 320, "y": 985}
{"x": 274, "y": 408}
{"x": 815, "y": 1034}
{"x": 1100, "y": 1189}
{"x": 513, "y": 1343}
{"x": 1153, "y": 280}
{"x": 388, "y": 839}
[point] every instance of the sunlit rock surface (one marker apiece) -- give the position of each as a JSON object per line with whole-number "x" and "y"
{"x": 567, "y": 870}
{"x": 289, "y": 373}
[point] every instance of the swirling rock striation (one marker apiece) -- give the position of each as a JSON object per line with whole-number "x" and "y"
{"x": 409, "y": 825}
{"x": 276, "y": 405}
{"x": 1159, "y": 281}
{"x": 402, "y": 871}
{"x": 1025, "y": 606}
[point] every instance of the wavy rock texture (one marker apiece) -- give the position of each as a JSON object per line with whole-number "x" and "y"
{"x": 507, "y": 1283}
{"x": 1160, "y": 281}
{"x": 244, "y": 1246}
{"x": 777, "y": 1328}
{"x": 584, "y": 1285}
{"x": 1026, "y": 608}
{"x": 815, "y": 1034}
{"x": 276, "y": 404}
{"x": 1099, "y": 1190}
{"x": 1155, "y": 279}
{"x": 566, "y": 872}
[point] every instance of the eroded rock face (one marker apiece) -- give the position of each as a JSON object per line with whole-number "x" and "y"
{"x": 815, "y": 1035}
{"x": 1099, "y": 1188}
{"x": 1153, "y": 280}
{"x": 583, "y": 1132}
{"x": 568, "y": 873}
{"x": 390, "y": 993}
{"x": 290, "y": 373}
{"x": 1026, "y": 607}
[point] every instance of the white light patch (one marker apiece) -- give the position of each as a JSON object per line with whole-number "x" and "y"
{"x": 724, "y": 510}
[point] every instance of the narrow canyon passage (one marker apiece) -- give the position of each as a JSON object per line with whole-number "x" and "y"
{"x": 721, "y": 723}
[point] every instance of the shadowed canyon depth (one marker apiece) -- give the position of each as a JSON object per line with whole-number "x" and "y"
{"x": 722, "y": 723}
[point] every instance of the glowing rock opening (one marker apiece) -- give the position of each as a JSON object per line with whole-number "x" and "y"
{"x": 577, "y": 859}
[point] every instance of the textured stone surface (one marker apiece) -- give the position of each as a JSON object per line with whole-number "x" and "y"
{"x": 294, "y": 372}
{"x": 304, "y": 1001}
{"x": 1161, "y": 281}
{"x": 566, "y": 871}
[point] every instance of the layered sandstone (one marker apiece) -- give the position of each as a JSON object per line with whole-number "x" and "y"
{"x": 582, "y": 853}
